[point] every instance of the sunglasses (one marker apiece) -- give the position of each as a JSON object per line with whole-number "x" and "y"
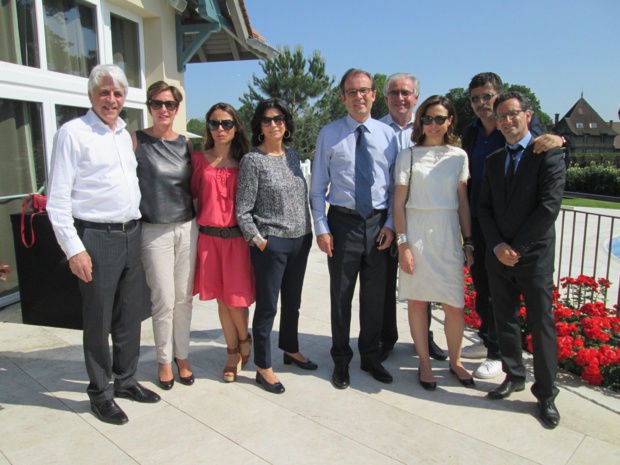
{"x": 428, "y": 120}
{"x": 266, "y": 121}
{"x": 171, "y": 105}
{"x": 486, "y": 97}
{"x": 226, "y": 124}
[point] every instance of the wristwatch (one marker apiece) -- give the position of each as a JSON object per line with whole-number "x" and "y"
{"x": 401, "y": 239}
{"x": 258, "y": 240}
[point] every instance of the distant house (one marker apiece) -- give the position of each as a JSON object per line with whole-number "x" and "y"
{"x": 616, "y": 127}
{"x": 585, "y": 129}
{"x": 47, "y": 50}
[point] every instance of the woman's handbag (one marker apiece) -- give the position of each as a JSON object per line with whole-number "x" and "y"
{"x": 33, "y": 205}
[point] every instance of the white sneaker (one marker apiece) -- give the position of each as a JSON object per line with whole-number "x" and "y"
{"x": 475, "y": 350}
{"x": 489, "y": 369}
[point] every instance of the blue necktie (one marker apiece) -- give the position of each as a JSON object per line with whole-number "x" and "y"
{"x": 363, "y": 175}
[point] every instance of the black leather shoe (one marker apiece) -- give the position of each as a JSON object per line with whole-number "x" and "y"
{"x": 377, "y": 371}
{"x": 108, "y": 411}
{"x": 138, "y": 393}
{"x": 187, "y": 380}
{"x": 506, "y": 388}
{"x": 549, "y": 413}
{"x": 309, "y": 365}
{"x": 467, "y": 382}
{"x": 167, "y": 385}
{"x": 275, "y": 388}
{"x": 428, "y": 385}
{"x": 434, "y": 350}
{"x": 384, "y": 352}
{"x": 340, "y": 377}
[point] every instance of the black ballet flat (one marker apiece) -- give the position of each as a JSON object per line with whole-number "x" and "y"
{"x": 427, "y": 385}
{"x": 467, "y": 382}
{"x": 309, "y": 365}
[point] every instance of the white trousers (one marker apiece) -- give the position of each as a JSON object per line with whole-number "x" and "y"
{"x": 169, "y": 257}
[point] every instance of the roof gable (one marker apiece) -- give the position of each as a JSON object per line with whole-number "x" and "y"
{"x": 583, "y": 119}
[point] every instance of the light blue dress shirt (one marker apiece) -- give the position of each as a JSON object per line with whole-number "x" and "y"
{"x": 523, "y": 143}
{"x": 403, "y": 136}
{"x": 334, "y": 168}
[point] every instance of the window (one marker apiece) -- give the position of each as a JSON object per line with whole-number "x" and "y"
{"x": 579, "y": 125}
{"x": 585, "y": 139}
{"x": 21, "y": 157}
{"x": 125, "y": 48}
{"x": 65, "y": 113}
{"x": 133, "y": 118}
{"x": 70, "y": 36}
{"x": 23, "y": 171}
{"x": 593, "y": 125}
{"x": 18, "y": 33}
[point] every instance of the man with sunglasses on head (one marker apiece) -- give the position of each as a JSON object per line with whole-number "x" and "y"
{"x": 353, "y": 171}
{"x": 481, "y": 138}
{"x": 93, "y": 204}
{"x": 401, "y": 92}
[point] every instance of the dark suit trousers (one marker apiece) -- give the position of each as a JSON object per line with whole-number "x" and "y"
{"x": 484, "y": 304}
{"x": 389, "y": 330}
{"x": 537, "y": 293}
{"x": 111, "y": 305}
{"x": 355, "y": 253}
{"x": 279, "y": 269}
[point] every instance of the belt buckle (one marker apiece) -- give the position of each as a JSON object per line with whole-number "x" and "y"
{"x": 225, "y": 233}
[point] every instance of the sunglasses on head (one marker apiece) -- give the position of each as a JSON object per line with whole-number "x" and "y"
{"x": 266, "y": 121}
{"x": 227, "y": 124}
{"x": 428, "y": 120}
{"x": 171, "y": 105}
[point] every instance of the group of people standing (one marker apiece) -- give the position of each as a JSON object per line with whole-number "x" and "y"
{"x": 233, "y": 223}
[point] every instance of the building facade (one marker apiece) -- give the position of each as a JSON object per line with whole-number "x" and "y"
{"x": 49, "y": 47}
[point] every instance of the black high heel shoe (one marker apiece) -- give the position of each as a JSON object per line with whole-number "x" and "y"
{"x": 187, "y": 380}
{"x": 467, "y": 382}
{"x": 428, "y": 385}
{"x": 166, "y": 385}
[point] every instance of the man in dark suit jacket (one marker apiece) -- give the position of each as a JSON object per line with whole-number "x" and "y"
{"x": 519, "y": 203}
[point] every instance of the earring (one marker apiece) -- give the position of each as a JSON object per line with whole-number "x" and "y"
{"x": 261, "y": 137}
{"x": 287, "y": 134}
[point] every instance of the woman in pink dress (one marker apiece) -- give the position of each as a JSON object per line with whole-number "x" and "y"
{"x": 223, "y": 267}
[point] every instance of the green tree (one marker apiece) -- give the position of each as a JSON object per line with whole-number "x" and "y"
{"x": 379, "y": 108}
{"x": 464, "y": 112}
{"x": 301, "y": 83}
{"x": 196, "y": 126}
{"x": 545, "y": 119}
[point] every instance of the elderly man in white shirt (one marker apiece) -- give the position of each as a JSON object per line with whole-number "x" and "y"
{"x": 93, "y": 204}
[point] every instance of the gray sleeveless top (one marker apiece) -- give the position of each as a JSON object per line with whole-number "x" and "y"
{"x": 164, "y": 175}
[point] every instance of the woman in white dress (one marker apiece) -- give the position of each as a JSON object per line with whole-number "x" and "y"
{"x": 431, "y": 212}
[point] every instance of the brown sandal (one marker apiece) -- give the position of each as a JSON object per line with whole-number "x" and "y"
{"x": 247, "y": 340}
{"x": 234, "y": 369}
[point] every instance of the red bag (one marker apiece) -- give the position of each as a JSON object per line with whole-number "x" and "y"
{"x": 34, "y": 204}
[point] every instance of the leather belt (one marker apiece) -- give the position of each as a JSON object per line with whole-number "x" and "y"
{"x": 350, "y": 211}
{"x": 224, "y": 233}
{"x": 107, "y": 226}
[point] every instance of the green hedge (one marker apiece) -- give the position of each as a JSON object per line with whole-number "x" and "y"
{"x": 599, "y": 179}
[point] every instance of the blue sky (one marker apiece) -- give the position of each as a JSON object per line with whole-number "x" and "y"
{"x": 558, "y": 48}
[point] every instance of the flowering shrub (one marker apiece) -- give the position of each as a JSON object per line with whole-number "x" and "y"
{"x": 588, "y": 333}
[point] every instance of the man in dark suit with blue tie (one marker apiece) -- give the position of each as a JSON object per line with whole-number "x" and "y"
{"x": 519, "y": 203}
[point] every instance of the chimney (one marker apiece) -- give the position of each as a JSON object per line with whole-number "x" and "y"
{"x": 557, "y": 118}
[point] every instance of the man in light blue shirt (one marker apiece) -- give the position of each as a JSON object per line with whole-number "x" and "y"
{"x": 401, "y": 92}
{"x": 353, "y": 238}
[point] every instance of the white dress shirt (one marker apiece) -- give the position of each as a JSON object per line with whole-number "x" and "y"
{"x": 403, "y": 136}
{"x": 92, "y": 178}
